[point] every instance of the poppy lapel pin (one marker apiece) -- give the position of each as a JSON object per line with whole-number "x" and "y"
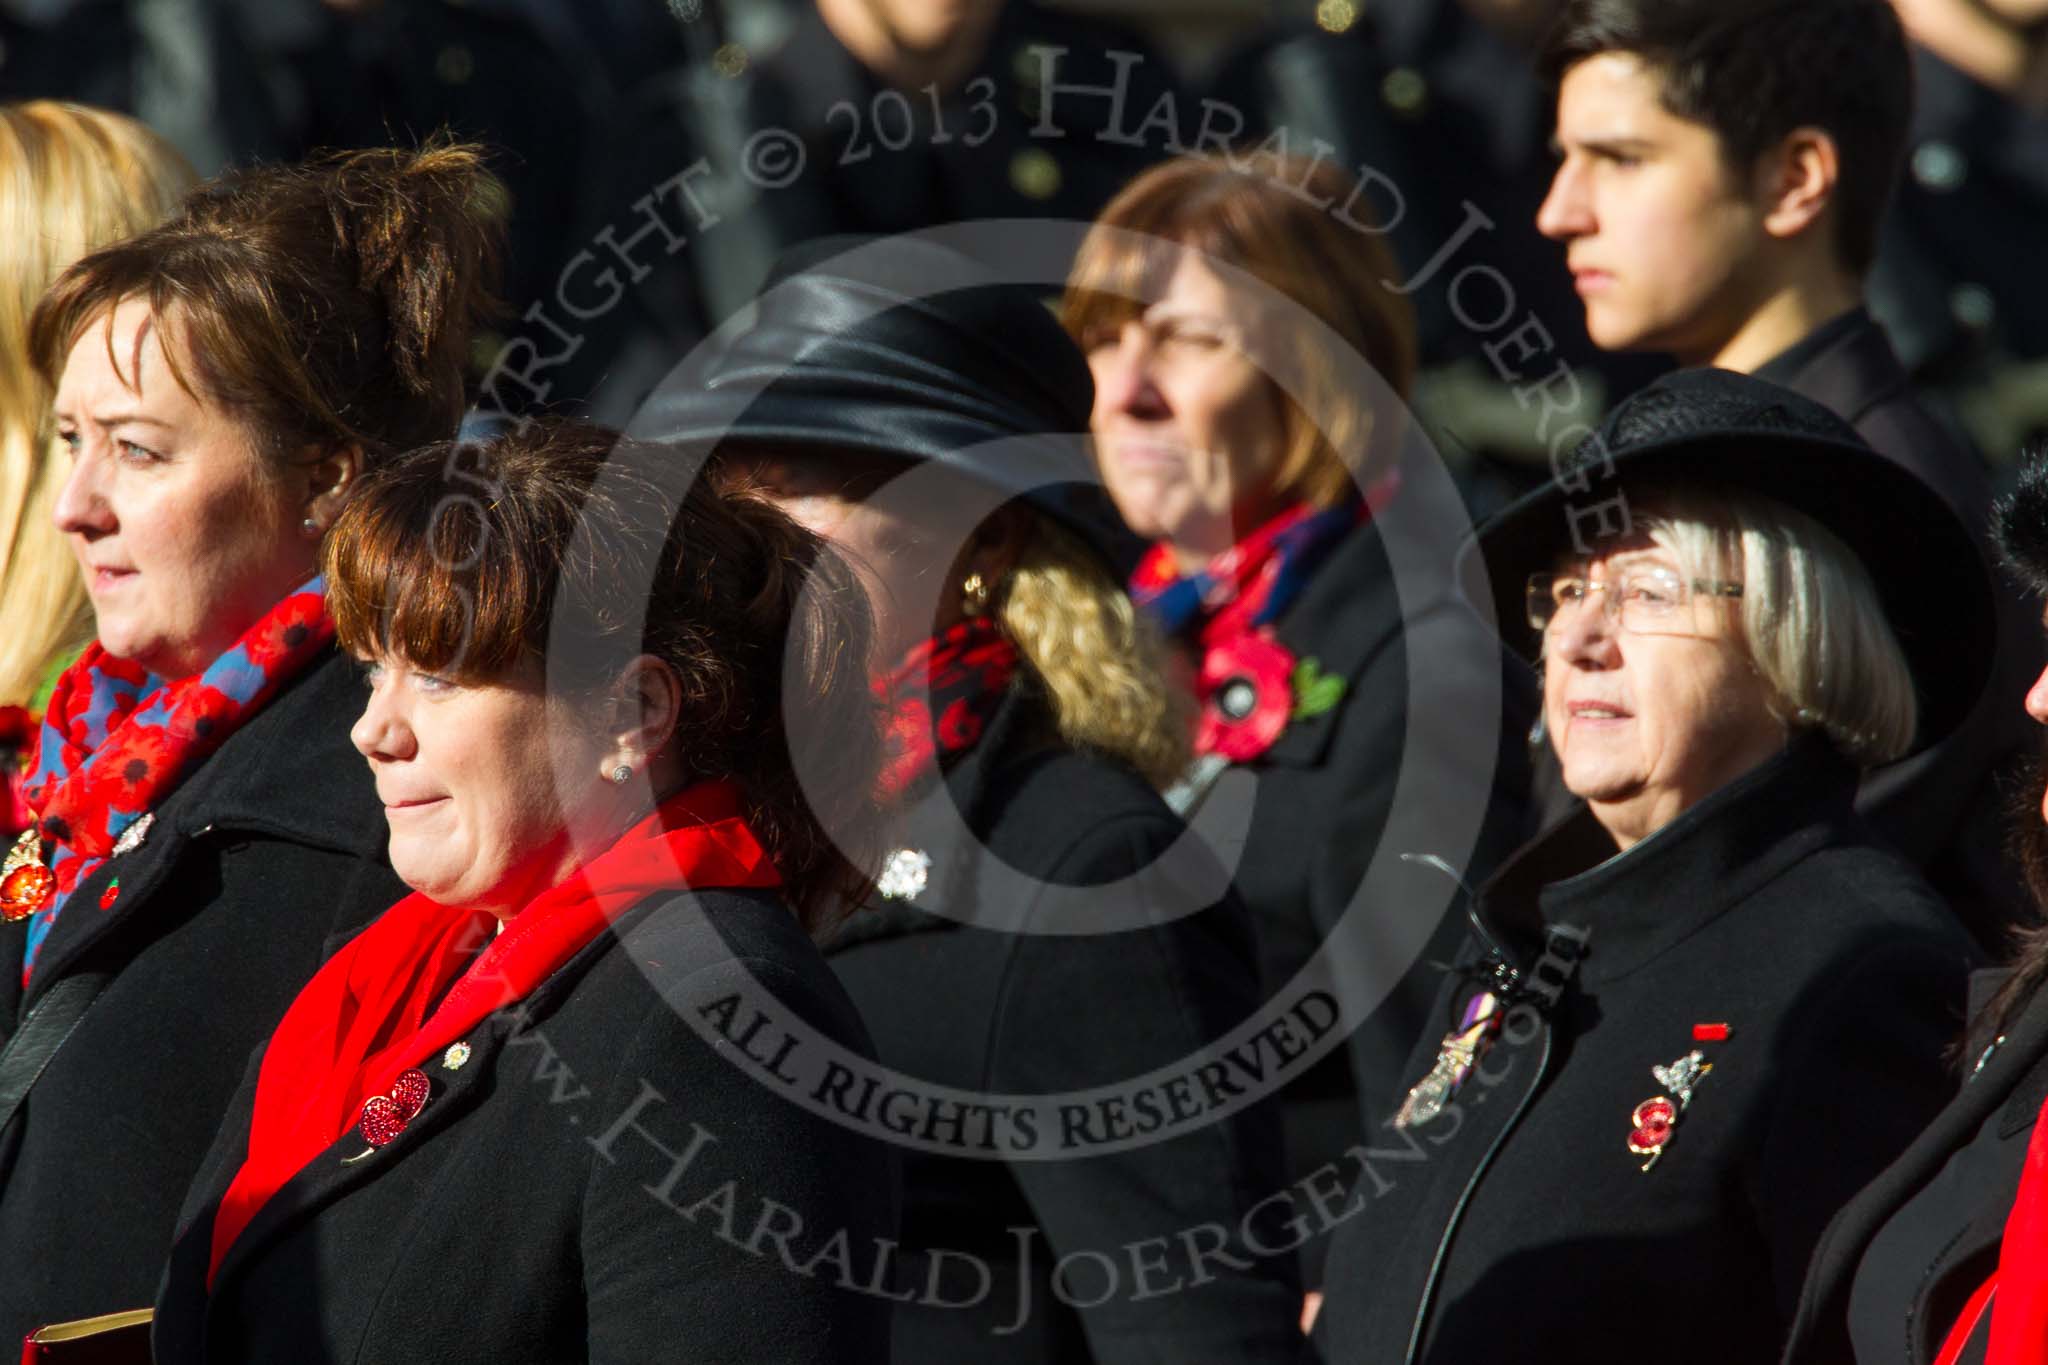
{"x": 384, "y": 1117}
{"x": 1652, "y": 1123}
{"x": 26, "y": 882}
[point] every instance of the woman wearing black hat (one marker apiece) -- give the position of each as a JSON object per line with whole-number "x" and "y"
{"x": 1698, "y": 1014}
{"x": 1048, "y": 934}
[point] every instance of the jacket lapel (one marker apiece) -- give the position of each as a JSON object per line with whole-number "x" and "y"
{"x": 458, "y": 1090}
{"x": 1341, "y": 623}
{"x": 85, "y": 921}
{"x": 343, "y": 1167}
{"x": 976, "y": 783}
{"x": 1823, "y": 1303}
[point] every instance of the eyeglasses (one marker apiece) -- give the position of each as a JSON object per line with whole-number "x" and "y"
{"x": 1647, "y": 599}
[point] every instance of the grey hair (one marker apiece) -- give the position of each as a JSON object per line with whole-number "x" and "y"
{"x": 1811, "y": 618}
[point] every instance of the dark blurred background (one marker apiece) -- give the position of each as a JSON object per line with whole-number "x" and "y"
{"x": 623, "y": 128}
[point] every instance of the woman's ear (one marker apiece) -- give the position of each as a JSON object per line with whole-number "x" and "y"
{"x": 998, "y": 544}
{"x": 648, "y": 706}
{"x": 328, "y": 477}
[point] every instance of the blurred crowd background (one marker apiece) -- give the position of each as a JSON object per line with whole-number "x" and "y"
{"x": 915, "y": 112}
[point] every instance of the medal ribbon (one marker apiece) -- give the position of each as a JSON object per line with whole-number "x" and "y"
{"x": 1455, "y": 1058}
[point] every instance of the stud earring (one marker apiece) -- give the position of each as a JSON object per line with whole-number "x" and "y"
{"x": 621, "y": 774}
{"x": 311, "y": 528}
{"x": 974, "y": 595}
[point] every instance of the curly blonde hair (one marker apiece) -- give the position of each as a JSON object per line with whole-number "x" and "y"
{"x": 1104, "y": 665}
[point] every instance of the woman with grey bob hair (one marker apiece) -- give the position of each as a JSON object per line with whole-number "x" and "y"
{"x": 1696, "y": 1015}
{"x": 1809, "y": 617}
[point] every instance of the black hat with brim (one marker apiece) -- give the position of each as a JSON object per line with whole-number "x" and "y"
{"x": 1714, "y": 431}
{"x": 905, "y": 349}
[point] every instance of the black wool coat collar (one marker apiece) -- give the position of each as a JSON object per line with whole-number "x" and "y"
{"x": 1712, "y": 857}
{"x": 349, "y": 1162}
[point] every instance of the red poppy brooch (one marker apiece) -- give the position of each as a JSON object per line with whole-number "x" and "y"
{"x": 1652, "y": 1122}
{"x": 1250, "y": 687}
{"x": 26, "y": 883}
{"x": 386, "y": 1116}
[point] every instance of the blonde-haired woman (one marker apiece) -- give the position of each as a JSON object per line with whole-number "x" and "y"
{"x": 1214, "y": 298}
{"x": 1022, "y": 943}
{"x": 72, "y": 179}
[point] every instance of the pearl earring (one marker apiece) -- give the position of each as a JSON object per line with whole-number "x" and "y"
{"x": 310, "y": 527}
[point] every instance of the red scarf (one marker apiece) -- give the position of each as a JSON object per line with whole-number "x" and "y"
{"x": 116, "y": 740}
{"x": 363, "y": 1018}
{"x": 940, "y": 697}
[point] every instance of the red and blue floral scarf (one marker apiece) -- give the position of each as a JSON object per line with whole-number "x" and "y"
{"x": 1255, "y": 581}
{"x": 116, "y": 739}
{"x": 1226, "y": 611}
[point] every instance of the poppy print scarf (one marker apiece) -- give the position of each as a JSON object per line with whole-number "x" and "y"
{"x": 116, "y": 739}
{"x": 939, "y": 698}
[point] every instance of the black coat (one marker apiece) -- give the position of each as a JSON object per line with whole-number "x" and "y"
{"x": 1519, "y": 1226}
{"x": 265, "y": 859}
{"x": 1934, "y": 1220}
{"x": 595, "y": 1181}
{"x": 1325, "y": 794}
{"x": 994, "y": 1012}
{"x": 1940, "y": 808}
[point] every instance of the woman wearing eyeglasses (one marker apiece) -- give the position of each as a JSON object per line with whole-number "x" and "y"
{"x": 1697, "y": 1015}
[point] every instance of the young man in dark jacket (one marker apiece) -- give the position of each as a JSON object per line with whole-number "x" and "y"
{"x": 1725, "y": 167}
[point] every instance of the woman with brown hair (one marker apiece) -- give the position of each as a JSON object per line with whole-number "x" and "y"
{"x": 204, "y": 834}
{"x": 1213, "y": 297}
{"x": 72, "y": 179}
{"x": 599, "y": 813}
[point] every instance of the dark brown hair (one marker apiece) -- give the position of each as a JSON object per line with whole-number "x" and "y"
{"x": 2019, "y": 529}
{"x": 469, "y": 560}
{"x": 1754, "y": 70}
{"x": 1261, "y": 216}
{"x": 325, "y": 304}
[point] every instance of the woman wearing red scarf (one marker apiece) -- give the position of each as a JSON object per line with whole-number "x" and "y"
{"x": 1045, "y": 926}
{"x": 204, "y": 835}
{"x": 1219, "y": 303}
{"x": 524, "y": 1116}
{"x": 1944, "y": 1257}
